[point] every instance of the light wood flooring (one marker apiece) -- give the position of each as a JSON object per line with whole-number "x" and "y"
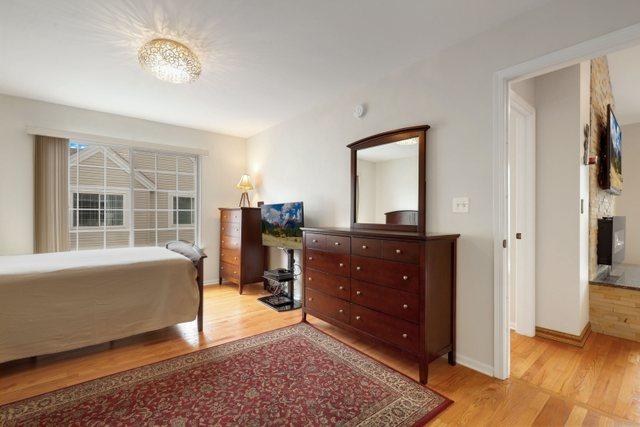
{"x": 552, "y": 384}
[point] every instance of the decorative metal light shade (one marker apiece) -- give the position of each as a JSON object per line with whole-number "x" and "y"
{"x": 170, "y": 61}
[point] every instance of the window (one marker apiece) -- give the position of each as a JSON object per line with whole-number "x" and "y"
{"x": 122, "y": 197}
{"x": 96, "y": 210}
{"x": 183, "y": 211}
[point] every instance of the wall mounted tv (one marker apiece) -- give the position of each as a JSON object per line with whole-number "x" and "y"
{"x": 282, "y": 225}
{"x": 611, "y": 156}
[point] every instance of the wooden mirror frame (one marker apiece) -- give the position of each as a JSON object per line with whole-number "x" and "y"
{"x": 419, "y": 132}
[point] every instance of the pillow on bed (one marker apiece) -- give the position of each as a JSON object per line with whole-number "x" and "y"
{"x": 189, "y": 250}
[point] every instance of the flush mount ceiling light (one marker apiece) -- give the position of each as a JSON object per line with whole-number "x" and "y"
{"x": 170, "y": 61}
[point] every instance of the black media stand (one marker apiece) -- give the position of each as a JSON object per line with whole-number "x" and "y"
{"x": 282, "y": 302}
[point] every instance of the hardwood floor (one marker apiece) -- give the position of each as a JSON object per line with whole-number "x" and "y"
{"x": 552, "y": 384}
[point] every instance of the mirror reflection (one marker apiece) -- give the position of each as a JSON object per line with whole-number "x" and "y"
{"x": 387, "y": 183}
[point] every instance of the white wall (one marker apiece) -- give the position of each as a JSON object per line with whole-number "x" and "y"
{"x": 386, "y": 186}
{"x": 628, "y": 203}
{"x": 306, "y": 159}
{"x": 221, "y": 169}
{"x": 396, "y": 186}
{"x": 561, "y": 180}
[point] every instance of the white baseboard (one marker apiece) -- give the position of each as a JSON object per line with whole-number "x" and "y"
{"x": 210, "y": 282}
{"x": 470, "y": 363}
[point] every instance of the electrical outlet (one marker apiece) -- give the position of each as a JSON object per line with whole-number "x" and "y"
{"x": 461, "y": 205}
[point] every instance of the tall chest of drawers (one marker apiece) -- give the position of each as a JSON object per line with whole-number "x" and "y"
{"x": 241, "y": 251}
{"x": 395, "y": 287}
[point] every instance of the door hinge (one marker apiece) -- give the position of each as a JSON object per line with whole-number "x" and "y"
{"x": 504, "y": 243}
{"x": 519, "y": 236}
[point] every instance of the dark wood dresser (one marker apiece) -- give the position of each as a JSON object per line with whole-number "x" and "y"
{"x": 397, "y": 287}
{"x": 241, "y": 250}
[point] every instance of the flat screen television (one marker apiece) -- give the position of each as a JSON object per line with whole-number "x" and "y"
{"x": 282, "y": 225}
{"x": 611, "y": 155}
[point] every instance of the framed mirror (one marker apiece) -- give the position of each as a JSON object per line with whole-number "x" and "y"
{"x": 388, "y": 180}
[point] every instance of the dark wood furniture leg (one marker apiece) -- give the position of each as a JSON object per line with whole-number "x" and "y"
{"x": 424, "y": 370}
{"x": 200, "y": 280}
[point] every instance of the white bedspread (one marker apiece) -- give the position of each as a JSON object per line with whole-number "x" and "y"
{"x": 66, "y": 300}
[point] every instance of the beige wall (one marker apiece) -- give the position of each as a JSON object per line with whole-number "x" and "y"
{"x": 220, "y": 170}
{"x": 628, "y": 203}
{"x": 306, "y": 159}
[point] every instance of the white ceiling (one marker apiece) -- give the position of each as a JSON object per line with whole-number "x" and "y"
{"x": 263, "y": 60}
{"x": 624, "y": 71}
{"x": 391, "y": 151}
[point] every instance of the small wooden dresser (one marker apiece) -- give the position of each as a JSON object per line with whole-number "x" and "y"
{"x": 396, "y": 287}
{"x": 241, "y": 250}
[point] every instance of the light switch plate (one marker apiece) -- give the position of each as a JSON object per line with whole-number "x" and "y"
{"x": 461, "y": 205}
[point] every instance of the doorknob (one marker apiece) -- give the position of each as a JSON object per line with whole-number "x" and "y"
{"x": 519, "y": 236}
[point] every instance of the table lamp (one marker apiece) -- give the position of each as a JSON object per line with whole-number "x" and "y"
{"x": 245, "y": 185}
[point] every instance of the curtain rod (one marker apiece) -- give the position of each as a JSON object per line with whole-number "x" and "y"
{"x": 56, "y": 133}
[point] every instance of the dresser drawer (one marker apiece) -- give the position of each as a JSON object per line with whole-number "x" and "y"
{"x": 328, "y": 262}
{"x": 315, "y": 241}
{"x": 231, "y": 216}
{"x": 398, "y": 275}
{"x": 230, "y": 256}
{"x": 329, "y": 306}
{"x": 230, "y": 229}
{"x": 229, "y": 242}
{"x": 338, "y": 244}
{"x": 396, "y": 250}
{"x": 229, "y": 271}
{"x": 366, "y": 247}
{"x": 403, "y": 334}
{"x": 330, "y": 284}
{"x": 388, "y": 300}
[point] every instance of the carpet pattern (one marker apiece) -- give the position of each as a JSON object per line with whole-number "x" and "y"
{"x": 291, "y": 376}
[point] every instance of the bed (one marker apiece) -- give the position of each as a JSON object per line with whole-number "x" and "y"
{"x": 66, "y": 300}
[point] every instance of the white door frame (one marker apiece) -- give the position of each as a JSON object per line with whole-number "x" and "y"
{"x": 590, "y": 49}
{"x": 525, "y": 297}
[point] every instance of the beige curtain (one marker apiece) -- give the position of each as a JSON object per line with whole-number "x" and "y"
{"x": 51, "y": 194}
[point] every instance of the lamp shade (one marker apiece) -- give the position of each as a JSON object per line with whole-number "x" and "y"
{"x": 245, "y": 183}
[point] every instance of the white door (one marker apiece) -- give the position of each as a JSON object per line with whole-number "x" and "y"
{"x": 521, "y": 267}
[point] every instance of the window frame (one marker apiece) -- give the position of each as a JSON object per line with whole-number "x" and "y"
{"x": 126, "y": 223}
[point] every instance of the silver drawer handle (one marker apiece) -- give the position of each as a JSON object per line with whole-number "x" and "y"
{"x": 337, "y": 243}
{"x": 357, "y": 317}
{"x": 222, "y": 228}
{"x": 235, "y": 258}
{"x": 341, "y": 265}
{"x": 235, "y": 272}
{"x": 405, "y": 277}
{"x": 310, "y": 258}
{"x": 341, "y": 288}
{"x": 341, "y": 311}
{"x": 358, "y": 268}
{"x": 309, "y": 278}
{"x": 221, "y": 268}
{"x": 364, "y": 246}
{"x": 398, "y": 251}
{"x": 358, "y": 293}
{"x": 310, "y": 299}
{"x": 223, "y": 242}
{"x": 405, "y": 306}
{"x": 315, "y": 240}
{"x": 404, "y": 335}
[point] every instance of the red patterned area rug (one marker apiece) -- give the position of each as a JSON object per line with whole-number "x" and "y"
{"x": 291, "y": 376}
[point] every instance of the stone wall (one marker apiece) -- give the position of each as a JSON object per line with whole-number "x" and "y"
{"x": 615, "y": 311}
{"x": 601, "y": 203}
